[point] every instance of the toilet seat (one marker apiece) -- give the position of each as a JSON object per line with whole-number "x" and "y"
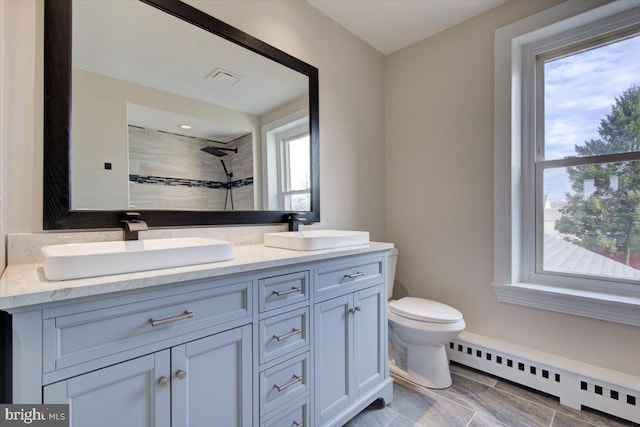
{"x": 424, "y": 310}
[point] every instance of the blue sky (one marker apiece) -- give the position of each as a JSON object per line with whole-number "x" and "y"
{"x": 579, "y": 92}
{"x": 580, "y": 89}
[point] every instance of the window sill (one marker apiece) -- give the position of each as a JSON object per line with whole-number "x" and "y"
{"x": 619, "y": 308}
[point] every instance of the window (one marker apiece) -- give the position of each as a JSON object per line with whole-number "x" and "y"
{"x": 286, "y": 160}
{"x": 295, "y": 188}
{"x": 567, "y": 179}
{"x": 587, "y": 173}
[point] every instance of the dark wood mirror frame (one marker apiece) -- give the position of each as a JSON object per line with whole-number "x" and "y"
{"x": 57, "y": 212}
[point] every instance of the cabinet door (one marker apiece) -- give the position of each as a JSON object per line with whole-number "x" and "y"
{"x": 333, "y": 346}
{"x": 127, "y": 394}
{"x": 369, "y": 323}
{"x": 211, "y": 381}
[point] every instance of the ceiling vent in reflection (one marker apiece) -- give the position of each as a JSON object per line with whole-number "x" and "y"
{"x": 224, "y": 77}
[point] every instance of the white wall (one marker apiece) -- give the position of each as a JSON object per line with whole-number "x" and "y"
{"x": 3, "y": 127}
{"x": 23, "y": 100}
{"x": 351, "y": 108}
{"x": 439, "y": 179}
{"x": 351, "y": 78}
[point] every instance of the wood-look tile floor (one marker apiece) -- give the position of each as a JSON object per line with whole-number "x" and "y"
{"x": 476, "y": 400}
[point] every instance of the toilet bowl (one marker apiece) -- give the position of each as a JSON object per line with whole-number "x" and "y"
{"x": 419, "y": 329}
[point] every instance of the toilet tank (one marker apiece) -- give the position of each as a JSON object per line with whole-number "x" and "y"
{"x": 391, "y": 271}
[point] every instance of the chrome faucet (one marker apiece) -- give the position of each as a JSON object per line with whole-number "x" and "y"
{"x": 132, "y": 224}
{"x": 295, "y": 220}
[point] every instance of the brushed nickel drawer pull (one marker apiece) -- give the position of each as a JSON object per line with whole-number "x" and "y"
{"x": 290, "y": 334}
{"x": 185, "y": 315}
{"x": 296, "y": 379}
{"x": 163, "y": 381}
{"x": 297, "y": 424}
{"x": 354, "y": 309}
{"x": 181, "y": 374}
{"x": 288, "y": 291}
{"x": 354, "y": 275}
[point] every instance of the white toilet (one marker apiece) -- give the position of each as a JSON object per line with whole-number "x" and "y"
{"x": 419, "y": 329}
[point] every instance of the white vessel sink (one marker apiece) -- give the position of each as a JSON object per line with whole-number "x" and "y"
{"x": 77, "y": 260}
{"x": 313, "y": 240}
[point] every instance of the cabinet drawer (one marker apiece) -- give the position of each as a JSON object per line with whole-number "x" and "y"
{"x": 297, "y": 416}
{"x": 282, "y": 334}
{"x": 344, "y": 277}
{"x": 76, "y": 338}
{"x": 283, "y": 383}
{"x": 279, "y": 291}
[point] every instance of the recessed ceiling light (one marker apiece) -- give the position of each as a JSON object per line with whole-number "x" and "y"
{"x": 185, "y": 126}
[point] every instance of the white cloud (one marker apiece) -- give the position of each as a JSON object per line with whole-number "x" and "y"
{"x": 580, "y": 90}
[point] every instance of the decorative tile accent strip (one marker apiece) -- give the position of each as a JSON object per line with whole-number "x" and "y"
{"x": 149, "y": 179}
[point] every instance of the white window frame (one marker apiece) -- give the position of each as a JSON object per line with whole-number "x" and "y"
{"x": 272, "y": 132}
{"x": 516, "y": 281}
{"x": 284, "y": 164}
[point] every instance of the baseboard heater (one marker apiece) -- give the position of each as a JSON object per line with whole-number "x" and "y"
{"x": 576, "y": 384}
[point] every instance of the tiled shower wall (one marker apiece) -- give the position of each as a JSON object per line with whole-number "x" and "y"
{"x": 169, "y": 171}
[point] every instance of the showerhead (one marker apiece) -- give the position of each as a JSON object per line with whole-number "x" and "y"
{"x": 213, "y": 151}
{"x": 218, "y": 151}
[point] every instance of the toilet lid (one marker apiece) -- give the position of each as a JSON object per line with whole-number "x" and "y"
{"x": 424, "y": 310}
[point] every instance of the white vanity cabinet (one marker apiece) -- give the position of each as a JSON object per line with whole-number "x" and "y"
{"x": 124, "y": 394}
{"x": 350, "y": 333}
{"x": 284, "y": 360}
{"x": 297, "y": 342}
{"x": 187, "y": 385}
{"x": 211, "y": 380}
{"x": 179, "y": 385}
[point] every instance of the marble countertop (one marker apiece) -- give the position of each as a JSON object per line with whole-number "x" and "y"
{"x": 25, "y": 285}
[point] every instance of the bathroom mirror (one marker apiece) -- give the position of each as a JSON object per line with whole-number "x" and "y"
{"x": 156, "y": 107}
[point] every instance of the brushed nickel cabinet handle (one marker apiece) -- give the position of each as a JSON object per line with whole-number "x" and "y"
{"x": 163, "y": 381}
{"x": 354, "y": 275}
{"x": 185, "y": 315}
{"x": 181, "y": 374}
{"x": 297, "y": 424}
{"x": 354, "y": 309}
{"x": 288, "y": 291}
{"x": 290, "y": 334}
{"x": 296, "y": 379}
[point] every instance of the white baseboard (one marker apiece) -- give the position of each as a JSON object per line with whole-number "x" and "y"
{"x": 576, "y": 384}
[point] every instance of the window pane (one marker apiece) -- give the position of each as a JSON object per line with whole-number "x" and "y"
{"x": 297, "y": 202}
{"x": 299, "y": 163}
{"x": 579, "y": 92}
{"x": 592, "y": 220}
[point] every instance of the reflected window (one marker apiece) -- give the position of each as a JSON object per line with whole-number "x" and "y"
{"x": 287, "y": 163}
{"x": 295, "y": 171}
